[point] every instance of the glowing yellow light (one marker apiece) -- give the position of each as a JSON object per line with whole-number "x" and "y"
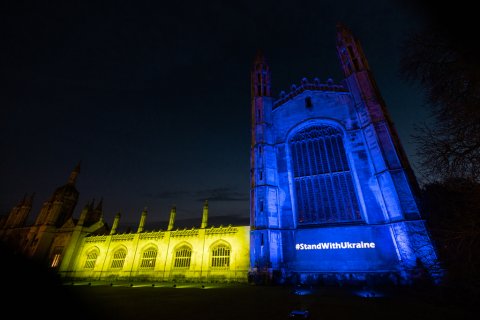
{"x": 217, "y": 253}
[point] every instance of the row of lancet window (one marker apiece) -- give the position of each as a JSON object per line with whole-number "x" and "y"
{"x": 220, "y": 258}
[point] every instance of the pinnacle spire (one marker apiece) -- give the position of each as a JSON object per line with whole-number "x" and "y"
{"x": 99, "y": 205}
{"x": 74, "y": 174}
{"x": 30, "y": 199}
{"x": 259, "y": 57}
{"x": 92, "y": 204}
{"x": 344, "y": 34}
{"x": 24, "y": 199}
{"x": 260, "y": 76}
{"x": 350, "y": 51}
{"x": 342, "y": 28}
{"x": 115, "y": 223}
{"x": 205, "y": 215}
{"x": 171, "y": 222}
{"x": 143, "y": 217}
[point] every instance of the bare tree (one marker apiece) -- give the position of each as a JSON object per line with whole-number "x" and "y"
{"x": 444, "y": 60}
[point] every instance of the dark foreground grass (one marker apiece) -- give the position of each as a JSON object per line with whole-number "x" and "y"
{"x": 32, "y": 292}
{"x": 241, "y": 301}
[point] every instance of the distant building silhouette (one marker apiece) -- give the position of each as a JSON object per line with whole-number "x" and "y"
{"x": 86, "y": 248}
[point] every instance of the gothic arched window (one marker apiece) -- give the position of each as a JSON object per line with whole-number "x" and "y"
{"x": 322, "y": 178}
{"x": 149, "y": 257}
{"x": 118, "y": 259}
{"x": 91, "y": 259}
{"x": 183, "y": 256}
{"x": 221, "y": 257}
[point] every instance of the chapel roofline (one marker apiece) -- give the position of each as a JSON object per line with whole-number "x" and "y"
{"x": 306, "y": 85}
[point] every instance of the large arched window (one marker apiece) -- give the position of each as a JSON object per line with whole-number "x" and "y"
{"x": 220, "y": 257}
{"x": 183, "y": 256}
{"x": 91, "y": 259}
{"x": 322, "y": 179}
{"x": 149, "y": 257}
{"x": 118, "y": 259}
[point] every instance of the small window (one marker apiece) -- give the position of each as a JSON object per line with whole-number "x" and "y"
{"x": 308, "y": 102}
{"x": 148, "y": 259}
{"x": 55, "y": 260}
{"x": 221, "y": 257}
{"x": 118, "y": 259}
{"x": 183, "y": 257}
{"x": 91, "y": 260}
{"x": 57, "y": 253}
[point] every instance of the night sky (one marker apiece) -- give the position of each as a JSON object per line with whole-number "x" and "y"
{"x": 154, "y": 98}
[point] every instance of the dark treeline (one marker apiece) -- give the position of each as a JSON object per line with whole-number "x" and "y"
{"x": 443, "y": 59}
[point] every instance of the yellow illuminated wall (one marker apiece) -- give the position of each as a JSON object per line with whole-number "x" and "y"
{"x": 214, "y": 253}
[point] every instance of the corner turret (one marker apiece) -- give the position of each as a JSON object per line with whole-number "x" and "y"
{"x": 350, "y": 51}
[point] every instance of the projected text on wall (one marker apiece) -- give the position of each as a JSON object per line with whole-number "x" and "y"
{"x": 348, "y": 248}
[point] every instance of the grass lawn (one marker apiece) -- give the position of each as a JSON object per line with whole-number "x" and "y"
{"x": 242, "y": 301}
{"x": 30, "y": 292}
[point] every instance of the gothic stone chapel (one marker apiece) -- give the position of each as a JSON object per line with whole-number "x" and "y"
{"x": 332, "y": 197}
{"x": 332, "y": 191}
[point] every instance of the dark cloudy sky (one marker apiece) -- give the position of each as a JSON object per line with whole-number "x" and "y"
{"x": 154, "y": 98}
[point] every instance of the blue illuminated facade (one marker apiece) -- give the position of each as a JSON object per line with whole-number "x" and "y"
{"x": 332, "y": 192}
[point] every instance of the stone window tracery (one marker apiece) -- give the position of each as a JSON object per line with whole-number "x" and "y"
{"x": 91, "y": 260}
{"x": 221, "y": 257}
{"x": 183, "y": 257}
{"x": 149, "y": 257}
{"x": 322, "y": 177}
{"x": 118, "y": 259}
